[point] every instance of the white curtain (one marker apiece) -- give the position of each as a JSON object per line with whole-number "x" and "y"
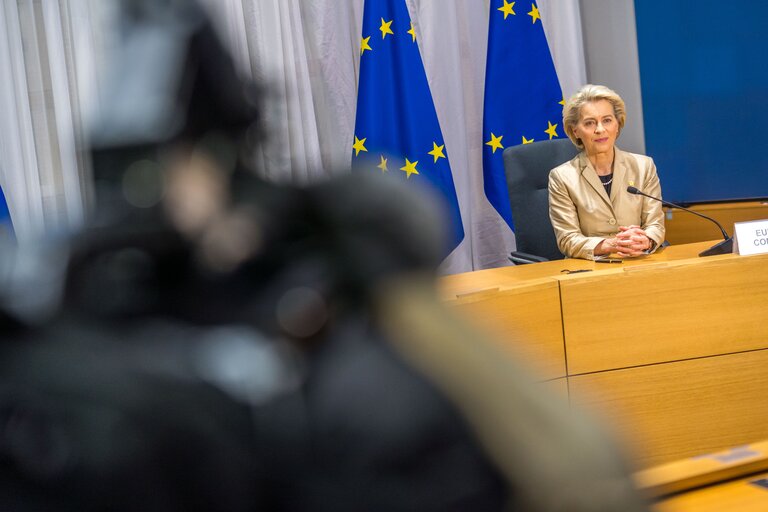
{"x": 47, "y": 64}
{"x": 307, "y": 52}
{"x": 562, "y": 24}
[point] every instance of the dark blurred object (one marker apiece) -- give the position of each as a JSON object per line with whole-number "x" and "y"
{"x": 338, "y": 239}
{"x": 170, "y": 82}
{"x": 341, "y": 424}
{"x": 170, "y": 78}
{"x": 92, "y": 419}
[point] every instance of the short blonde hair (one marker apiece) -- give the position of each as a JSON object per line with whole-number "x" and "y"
{"x": 588, "y": 94}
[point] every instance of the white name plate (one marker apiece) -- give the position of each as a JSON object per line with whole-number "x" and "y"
{"x": 751, "y": 237}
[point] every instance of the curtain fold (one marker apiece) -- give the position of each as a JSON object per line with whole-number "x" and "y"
{"x": 304, "y": 52}
{"x": 46, "y": 50}
{"x": 17, "y": 145}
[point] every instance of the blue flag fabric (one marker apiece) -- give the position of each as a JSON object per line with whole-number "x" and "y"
{"x": 396, "y": 127}
{"x": 523, "y": 100}
{"x": 6, "y": 226}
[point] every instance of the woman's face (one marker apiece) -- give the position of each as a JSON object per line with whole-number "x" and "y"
{"x": 597, "y": 127}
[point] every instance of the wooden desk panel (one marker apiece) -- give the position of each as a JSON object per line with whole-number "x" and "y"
{"x": 665, "y": 312}
{"x": 707, "y": 469}
{"x": 675, "y": 410}
{"x": 526, "y": 319}
{"x": 736, "y": 496}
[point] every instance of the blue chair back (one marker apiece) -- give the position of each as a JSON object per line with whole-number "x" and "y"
{"x": 527, "y": 167}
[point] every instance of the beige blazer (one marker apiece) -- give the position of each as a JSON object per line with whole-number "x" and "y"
{"x": 581, "y": 212}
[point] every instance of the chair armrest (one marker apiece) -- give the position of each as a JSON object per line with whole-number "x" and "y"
{"x": 523, "y": 258}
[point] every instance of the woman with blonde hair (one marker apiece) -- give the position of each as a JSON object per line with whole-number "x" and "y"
{"x": 591, "y": 211}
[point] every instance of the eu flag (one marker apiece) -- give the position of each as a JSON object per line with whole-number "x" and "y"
{"x": 396, "y": 127}
{"x": 523, "y": 100}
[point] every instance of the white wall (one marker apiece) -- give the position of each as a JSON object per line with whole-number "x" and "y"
{"x": 610, "y": 49}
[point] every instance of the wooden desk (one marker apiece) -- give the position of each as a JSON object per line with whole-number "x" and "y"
{"x": 671, "y": 347}
{"x": 456, "y": 285}
{"x": 703, "y": 470}
{"x": 733, "y": 480}
{"x": 744, "y": 495}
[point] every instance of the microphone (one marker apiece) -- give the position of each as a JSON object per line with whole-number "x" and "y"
{"x": 724, "y": 247}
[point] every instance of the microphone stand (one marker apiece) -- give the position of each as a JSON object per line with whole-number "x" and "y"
{"x": 724, "y": 247}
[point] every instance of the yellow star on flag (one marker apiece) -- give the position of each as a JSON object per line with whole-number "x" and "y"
{"x": 495, "y": 142}
{"x": 358, "y": 145}
{"x": 364, "y": 44}
{"x": 507, "y": 9}
{"x": 383, "y": 164}
{"x": 413, "y": 33}
{"x": 409, "y": 168}
{"x": 534, "y": 14}
{"x": 551, "y": 131}
{"x": 527, "y": 141}
{"x": 386, "y": 28}
{"x": 437, "y": 151}
{"x": 562, "y": 101}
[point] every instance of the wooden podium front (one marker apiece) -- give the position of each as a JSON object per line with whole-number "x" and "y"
{"x": 671, "y": 349}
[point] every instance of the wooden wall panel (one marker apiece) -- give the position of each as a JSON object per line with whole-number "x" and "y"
{"x": 683, "y": 227}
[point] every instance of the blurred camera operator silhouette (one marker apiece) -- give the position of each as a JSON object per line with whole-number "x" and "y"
{"x": 222, "y": 343}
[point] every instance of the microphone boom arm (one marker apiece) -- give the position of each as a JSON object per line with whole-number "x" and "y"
{"x": 724, "y": 247}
